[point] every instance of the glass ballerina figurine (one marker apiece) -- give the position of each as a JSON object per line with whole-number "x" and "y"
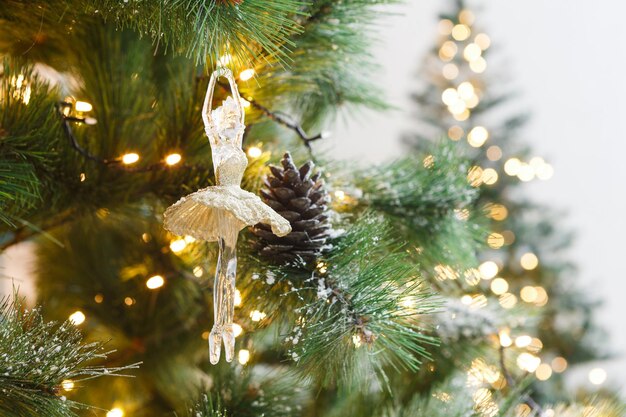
{"x": 219, "y": 212}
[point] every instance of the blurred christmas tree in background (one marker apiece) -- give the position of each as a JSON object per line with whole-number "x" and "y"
{"x": 428, "y": 286}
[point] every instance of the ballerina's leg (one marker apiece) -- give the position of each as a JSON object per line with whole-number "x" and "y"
{"x": 224, "y": 297}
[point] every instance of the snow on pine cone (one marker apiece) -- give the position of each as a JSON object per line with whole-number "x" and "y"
{"x": 297, "y": 194}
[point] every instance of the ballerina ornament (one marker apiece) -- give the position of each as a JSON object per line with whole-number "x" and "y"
{"x": 218, "y": 213}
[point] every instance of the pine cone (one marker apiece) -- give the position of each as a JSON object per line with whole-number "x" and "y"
{"x": 300, "y": 197}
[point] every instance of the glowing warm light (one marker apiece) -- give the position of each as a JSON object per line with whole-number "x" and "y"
{"x": 465, "y": 90}
{"x": 505, "y": 339}
{"x": 477, "y": 136}
{"x": 189, "y": 239}
{"x": 475, "y": 176}
{"x": 445, "y": 26}
{"x": 483, "y": 41}
{"x": 254, "y": 152}
{"x": 67, "y": 385}
{"x": 466, "y": 17}
{"x": 528, "y": 294}
{"x": 526, "y": 172}
{"x": 472, "y": 52}
{"x": 257, "y": 315}
{"x": 155, "y": 282}
{"x": 356, "y": 340}
{"x": 237, "y": 329}
{"x": 499, "y": 286}
{"x": 450, "y": 71}
{"x": 98, "y": 298}
{"x": 472, "y": 276}
{"x": 115, "y": 412}
{"x": 225, "y": 59}
{"x": 488, "y": 269}
{"x": 243, "y": 356}
{"x": 129, "y": 301}
{"x": 523, "y": 341}
{"x": 458, "y": 107}
{"x": 597, "y": 376}
{"x": 447, "y": 51}
{"x": 494, "y": 153}
{"x": 83, "y": 106}
{"x": 464, "y": 115}
{"x": 461, "y": 32}
{"x": 237, "y": 301}
{"x": 198, "y": 271}
{"x": 479, "y": 65}
{"x": 543, "y": 372}
{"x": 490, "y": 177}
{"x": 535, "y": 345}
{"x": 472, "y": 101}
{"x": 507, "y": 300}
{"x": 428, "y": 161}
{"x": 495, "y": 240}
{"x": 498, "y": 212}
{"x": 246, "y": 74}
{"x": 466, "y": 299}
{"x": 130, "y": 158}
{"x": 245, "y": 103}
{"x": 512, "y": 166}
{"x": 444, "y": 272}
{"x": 173, "y": 159}
{"x": 77, "y": 318}
{"x": 542, "y": 297}
{"x": 340, "y": 195}
{"x": 455, "y": 132}
{"x": 178, "y": 245}
{"x": 528, "y": 362}
{"x": 559, "y": 364}
{"x": 529, "y": 261}
{"x": 82, "y": 177}
{"x": 449, "y": 96}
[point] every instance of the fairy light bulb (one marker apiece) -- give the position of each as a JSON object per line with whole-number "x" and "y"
{"x": 477, "y": 136}
{"x": 83, "y": 106}
{"x": 243, "y": 356}
{"x": 499, "y": 286}
{"x": 155, "y": 282}
{"x": 254, "y": 152}
{"x": 246, "y": 74}
{"x": 237, "y": 329}
{"x": 257, "y": 315}
{"x": 115, "y": 412}
{"x": 529, "y": 261}
{"x": 77, "y": 318}
{"x": 173, "y": 159}
{"x": 238, "y": 299}
{"x": 488, "y": 269}
{"x": 130, "y": 158}
{"x": 597, "y": 376}
{"x": 178, "y": 245}
{"x": 67, "y": 385}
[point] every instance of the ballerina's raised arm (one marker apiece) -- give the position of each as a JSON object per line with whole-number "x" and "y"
{"x": 232, "y": 123}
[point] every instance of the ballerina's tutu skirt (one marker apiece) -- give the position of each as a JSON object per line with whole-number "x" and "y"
{"x": 215, "y": 212}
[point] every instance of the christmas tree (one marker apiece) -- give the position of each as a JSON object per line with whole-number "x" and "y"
{"x": 416, "y": 288}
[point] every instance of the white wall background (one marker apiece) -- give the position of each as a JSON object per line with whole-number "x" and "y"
{"x": 567, "y": 58}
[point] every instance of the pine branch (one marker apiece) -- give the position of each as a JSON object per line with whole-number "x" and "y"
{"x": 37, "y": 358}
{"x": 248, "y": 30}
{"x": 429, "y": 200}
{"x": 355, "y": 320}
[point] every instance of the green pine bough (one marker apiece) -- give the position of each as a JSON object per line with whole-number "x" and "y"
{"x": 40, "y": 361}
